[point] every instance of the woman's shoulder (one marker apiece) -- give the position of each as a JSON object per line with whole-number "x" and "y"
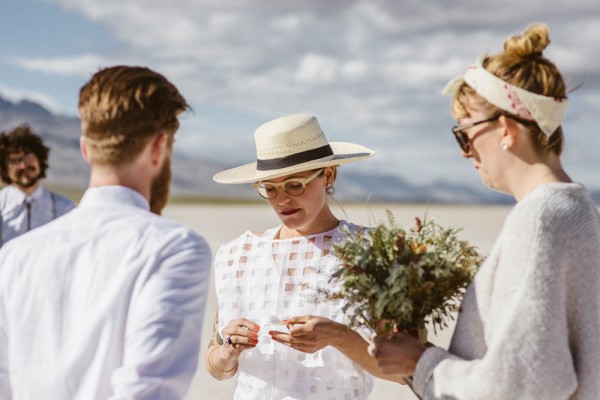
{"x": 246, "y": 237}
{"x": 557, "y": 200}
{"x": 346, "y": 228}
{"x": 555, "y": 209}
{"x": 234, "y": 242}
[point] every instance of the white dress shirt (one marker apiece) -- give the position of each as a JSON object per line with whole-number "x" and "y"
{"x": 104, "y": 303}
{"x": 16, "y": 218}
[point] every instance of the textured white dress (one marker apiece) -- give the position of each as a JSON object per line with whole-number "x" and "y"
{"x": 258, "y": 276}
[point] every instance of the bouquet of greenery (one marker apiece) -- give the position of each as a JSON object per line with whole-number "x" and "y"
{"x": 392, "y": 278}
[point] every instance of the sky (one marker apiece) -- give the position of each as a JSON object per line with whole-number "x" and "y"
{"x": 370, "y": 71}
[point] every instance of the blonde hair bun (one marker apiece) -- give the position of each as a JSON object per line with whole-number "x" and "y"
{"x": 532, "y": 42}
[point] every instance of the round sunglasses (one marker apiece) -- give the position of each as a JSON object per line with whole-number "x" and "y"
{"x": 292, "y": 186}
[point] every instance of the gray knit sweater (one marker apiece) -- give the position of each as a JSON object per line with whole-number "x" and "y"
{"x": 530, "y": 321}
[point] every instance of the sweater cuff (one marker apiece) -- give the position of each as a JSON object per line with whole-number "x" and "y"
{"x": 424, "y": 370}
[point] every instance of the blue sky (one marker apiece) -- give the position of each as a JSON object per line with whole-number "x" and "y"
{"x": 371, "y": 71}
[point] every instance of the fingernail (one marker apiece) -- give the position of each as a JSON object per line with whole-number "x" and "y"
{"x": 271, "y": 333}
{"x": 254, "y": 335}
{"x": 256, "y": 328}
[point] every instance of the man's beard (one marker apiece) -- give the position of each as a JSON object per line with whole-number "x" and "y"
{"x": 25, "y": 180}
{"x": 159, "y": 192}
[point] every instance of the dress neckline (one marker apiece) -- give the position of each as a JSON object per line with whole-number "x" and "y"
{"x": 269, "y": 234}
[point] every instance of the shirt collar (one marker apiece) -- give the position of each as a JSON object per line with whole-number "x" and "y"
{"x": 21, "y": 196}
{"x": 38, "y": 193}
{"x": 113, "y": 195}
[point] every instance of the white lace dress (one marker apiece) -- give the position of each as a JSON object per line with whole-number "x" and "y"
{"x": 258, "y": 276}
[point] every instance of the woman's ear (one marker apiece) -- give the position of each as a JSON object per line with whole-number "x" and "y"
{"x": 510, "y": 133}
{"x": 330, "y": 174}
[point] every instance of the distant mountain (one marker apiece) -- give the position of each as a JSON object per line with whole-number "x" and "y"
{"x": 390, "y": 188}
{"x": 193, "y": 178}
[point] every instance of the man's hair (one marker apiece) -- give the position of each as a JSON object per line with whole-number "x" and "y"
{"x": 22, "y": 139}
{"x": 121, "y": 107}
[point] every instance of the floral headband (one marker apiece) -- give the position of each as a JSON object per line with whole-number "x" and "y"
{"x": 547, "y": 112}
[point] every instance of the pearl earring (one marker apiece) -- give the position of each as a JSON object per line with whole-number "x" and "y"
{"x": 504, "y": 146}
{"x": 329, "y": 189}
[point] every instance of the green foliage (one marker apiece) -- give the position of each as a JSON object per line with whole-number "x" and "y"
{"x": 405, "y": 277}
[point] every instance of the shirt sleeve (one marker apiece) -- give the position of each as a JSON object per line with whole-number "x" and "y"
{"x": 5, "y": 389}
{"x": 528, "y": 354}
{"x": 165, "y": 325}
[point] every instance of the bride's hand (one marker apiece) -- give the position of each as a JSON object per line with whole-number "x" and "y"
{"x": 309, "y": 333}
{"x": 239, "y": 335}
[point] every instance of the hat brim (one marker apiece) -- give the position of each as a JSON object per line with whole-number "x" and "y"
{"x": 343, "y": 153}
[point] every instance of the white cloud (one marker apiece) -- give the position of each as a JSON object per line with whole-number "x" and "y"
{"x": 81, "y": 65}
{"x": 354, "y": 70}
{"x": 372, "y": 68}
{"x": 316, "y": 68}
{"x": 290, "y": 23}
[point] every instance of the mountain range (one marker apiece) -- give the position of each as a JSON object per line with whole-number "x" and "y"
{"x": 192, "y": 178}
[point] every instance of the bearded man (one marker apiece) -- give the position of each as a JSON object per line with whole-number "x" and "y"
{"x": 25, "y": 203}
{"x": 108, "y": 301}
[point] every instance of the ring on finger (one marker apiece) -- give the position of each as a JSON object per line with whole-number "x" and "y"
{"x": 229, "y": 341}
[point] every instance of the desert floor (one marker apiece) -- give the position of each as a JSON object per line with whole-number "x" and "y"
{"x": 221, "y": 223}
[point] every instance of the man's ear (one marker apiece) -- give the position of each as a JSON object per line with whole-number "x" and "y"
{"x": 158, "y": 145}
{"x": 83, "y": 149}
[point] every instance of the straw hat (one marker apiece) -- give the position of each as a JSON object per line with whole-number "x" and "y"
{"x": 291, "y": 144}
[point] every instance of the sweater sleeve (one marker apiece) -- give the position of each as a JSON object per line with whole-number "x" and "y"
{"x": 528, "y": 354}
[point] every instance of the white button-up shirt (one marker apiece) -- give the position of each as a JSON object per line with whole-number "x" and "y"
{"x": 16, "y": 219}
{"x": 106, "y": 302}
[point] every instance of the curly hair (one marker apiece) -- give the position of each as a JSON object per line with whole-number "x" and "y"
{"x": 22, "y": 140}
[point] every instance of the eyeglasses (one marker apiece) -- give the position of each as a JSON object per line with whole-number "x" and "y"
{"x": 461, "y": 135}
{"x": 293, "y": 186}
{"x": 15, "y": 162}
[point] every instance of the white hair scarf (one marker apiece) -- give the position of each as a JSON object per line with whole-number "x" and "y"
{"x": 547, "y": 112}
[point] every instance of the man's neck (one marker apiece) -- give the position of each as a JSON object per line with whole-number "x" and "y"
{"x": 129, "y": 177}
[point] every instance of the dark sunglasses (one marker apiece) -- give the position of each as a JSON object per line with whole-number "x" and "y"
{"x": 461, "y": 135}
{"x": 463, "y": 139}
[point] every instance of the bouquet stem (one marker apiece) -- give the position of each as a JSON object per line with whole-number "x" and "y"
{"x": 420, "y": 332}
